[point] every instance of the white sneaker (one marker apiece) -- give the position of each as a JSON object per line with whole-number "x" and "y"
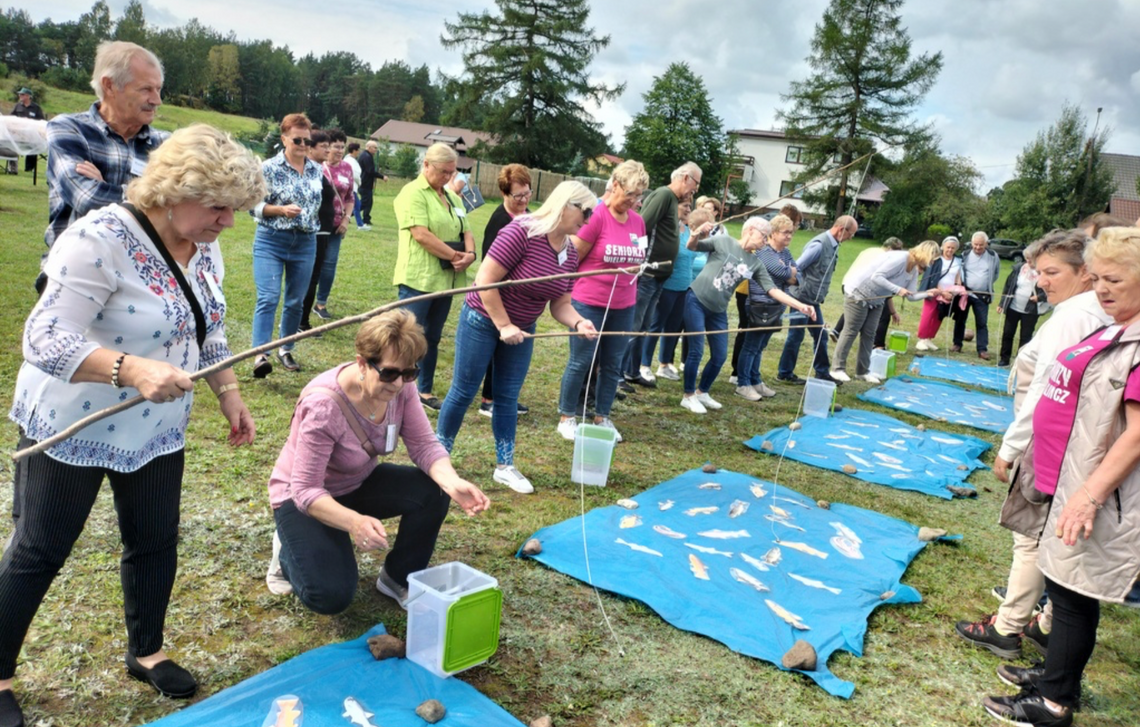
{"x": 666, "y": 371}
{"x": 275, "y": 577}
{"x": 764, "y": 390}
{"x": 681, "y": 366}
{"x": 513, "y": 479}
{"x": 691, "y": 403}
{"x": 708, "y": 401}
{"x": 364, "y": 227}
{"x": 733, "y": 380}
{"x": 840, "y": 376}
{"x": 871, "y": 379}
{"x": 392, "y": 589}
{"x": 608, "y": 424}
{"x": 925, "y": 344}
{"x": 747, "y": 392}
{"x": 567, "y": 428}
{"x": 647, "y": 373}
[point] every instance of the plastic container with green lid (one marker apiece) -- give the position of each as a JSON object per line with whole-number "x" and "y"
{"x": 453, "y": 618}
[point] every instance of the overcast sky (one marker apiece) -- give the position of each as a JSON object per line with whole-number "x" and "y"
{"x": 1009, "y": 65}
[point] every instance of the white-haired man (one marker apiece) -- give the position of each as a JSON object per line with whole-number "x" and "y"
{"x": 93, "y": 155}
{"x": 662, "y": 240}
{"x": 980, "y": 269}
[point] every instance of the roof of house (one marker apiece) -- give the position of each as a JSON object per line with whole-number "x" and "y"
{"x": 1125, "y": 169}
{"x": 612, "y": 159}
{"x": 1125, "y": 209}
{"x": 872, "y": 190}
{"x": 417, "y": 134}
{"x": 758, "y": 134}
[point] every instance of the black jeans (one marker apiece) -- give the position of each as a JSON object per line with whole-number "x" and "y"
{"x": 980, "y": 304}
{"x": 366, "y": 203}
{"x": 1071, "y": 643}
{"x": 742, "y": 322}
{"x": 320, "y": 560}
{"x": 311, "y": 293}
{"x": 56, "y": 499}
{"x": 1028, "y": 322}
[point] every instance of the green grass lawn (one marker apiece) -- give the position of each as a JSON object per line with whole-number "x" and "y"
{"x": 556, "y": 655}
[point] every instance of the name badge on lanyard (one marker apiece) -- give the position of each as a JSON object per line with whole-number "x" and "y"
{"x": 562, "y": 257}
{"x": 391, "y": 438}
{"x": 138, "y": 166}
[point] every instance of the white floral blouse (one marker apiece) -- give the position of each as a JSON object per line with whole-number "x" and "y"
{"x": 109, "y": 287}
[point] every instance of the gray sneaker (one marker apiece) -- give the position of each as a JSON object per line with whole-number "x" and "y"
{"x": 275, "y": 578}
{"x": 392, "y": 589}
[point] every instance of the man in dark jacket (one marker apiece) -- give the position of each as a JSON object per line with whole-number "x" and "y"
{"x": 367, "y": 161}
{"x": 25, "y": 109}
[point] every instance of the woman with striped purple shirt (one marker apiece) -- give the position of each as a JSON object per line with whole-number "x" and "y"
{"x": 495, "y": 325}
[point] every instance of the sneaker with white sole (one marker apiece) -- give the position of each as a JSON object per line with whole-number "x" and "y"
{"x": 647, "y": 373}
{"x": 925, "y": 344}
{"x": 747, "y": 392}
{"x": 568, "y": 428}
{"x": 733, "y": 380}
{"x": 707, "y": 401}
{"x": 840, "y": 376}
{"x": 390, "y": 588}
{"x": 764, "y": 390}
{"x": 513, "y": 479}
{"x": 692, "y": 404}
{"x": 871, "y": 379}
{"x": 275, "y": 578}
{"x": 608, "y": 424}
{"x": 667, "y": 372}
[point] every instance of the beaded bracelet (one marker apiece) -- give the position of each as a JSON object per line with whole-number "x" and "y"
{"x": 115, "y": 371}
{"x": 224, "y": 388}
{"x": 1097, "y": 505}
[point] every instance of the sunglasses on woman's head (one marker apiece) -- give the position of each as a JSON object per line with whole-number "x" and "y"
{"x": 299, "y": 140}
{"x": 586, "y": 211}
{"x": 388, "y": 375}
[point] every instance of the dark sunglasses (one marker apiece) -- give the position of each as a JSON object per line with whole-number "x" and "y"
{"x": 299, "y": 140}
{"x": 388, "y": 375}
{"x": 586, "y": 211}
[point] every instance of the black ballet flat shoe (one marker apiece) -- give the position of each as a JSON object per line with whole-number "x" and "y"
{"x": 10, "y": 713}
{"x": 168, "y": 679}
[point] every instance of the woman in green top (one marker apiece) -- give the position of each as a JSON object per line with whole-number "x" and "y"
{"x": 436, "y": 247}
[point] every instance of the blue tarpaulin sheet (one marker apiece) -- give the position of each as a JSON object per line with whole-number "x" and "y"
{"x": 748, "y": 563}
{"x": 944, "y": 402}
{"x": 961, "y": 372}
{"x": 325, "y": 679}
{"x": 882, "y": 450}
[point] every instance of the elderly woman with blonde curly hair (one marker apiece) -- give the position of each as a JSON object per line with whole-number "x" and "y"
{"x": 133, "y": 304}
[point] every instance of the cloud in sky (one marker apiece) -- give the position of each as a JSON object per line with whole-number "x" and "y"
{"x": 1009, "y": 65}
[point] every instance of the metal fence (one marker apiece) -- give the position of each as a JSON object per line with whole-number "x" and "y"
{"x": 542, "y": 183}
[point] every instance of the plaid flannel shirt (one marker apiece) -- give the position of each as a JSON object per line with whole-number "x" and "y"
{"x": 75, "y": 138}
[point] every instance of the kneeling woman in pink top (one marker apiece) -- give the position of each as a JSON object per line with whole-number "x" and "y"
{"x": 327, "y": 490}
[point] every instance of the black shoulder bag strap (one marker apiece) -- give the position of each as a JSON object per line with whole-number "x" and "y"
{"x": 176, "y": 269}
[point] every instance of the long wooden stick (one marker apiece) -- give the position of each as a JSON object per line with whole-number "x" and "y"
{"x": 679, "y": 334}
{"x": 86, "y": 421}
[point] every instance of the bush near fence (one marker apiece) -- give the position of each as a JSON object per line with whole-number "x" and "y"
{"x": 542, "y": 183}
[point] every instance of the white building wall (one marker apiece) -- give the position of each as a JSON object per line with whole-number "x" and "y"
{"x": 770, "y": 169}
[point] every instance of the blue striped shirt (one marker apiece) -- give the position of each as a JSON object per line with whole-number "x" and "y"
{"x": 779, "y": 266}
{"x": 86, "y": 137}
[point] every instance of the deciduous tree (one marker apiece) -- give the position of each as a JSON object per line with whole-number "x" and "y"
{"x": 863, "y": 87}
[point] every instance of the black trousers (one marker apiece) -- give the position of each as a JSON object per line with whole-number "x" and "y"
{"x": 1071, "y": 643}
{"x": 1028, "y": 323}
{"x": 56, "y": 499}
{"x": 742, "y": 318}
{"x": 320, "y": 561}
{"x": 366, "y": 203}
{"x": 311, "y": 293}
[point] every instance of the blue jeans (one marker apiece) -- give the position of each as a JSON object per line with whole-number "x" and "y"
{"x": 669, "y": 318}
{"x": 648, "y": 293}
{"x": 328, "y": 269}
{"x": 356, "y": 209}
{"x": 698, "y": 318}
{"x": 610, "y": 350}
{"x": 476, "y": 345}
{"x": 980, "y": 304}
{"x": 320, "y": 561}
{"x": 280, "y": 255}
{"x": 432, "y": 315}
{"x": 748, "y": 370}
{"x": 820, "y": 362}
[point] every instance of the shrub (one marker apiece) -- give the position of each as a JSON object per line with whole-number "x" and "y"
{"x": 69, "y": 79}
{"x": 937, "y": 232}
{"x": 405, "y": 162}
{"x": 3, "y": 70}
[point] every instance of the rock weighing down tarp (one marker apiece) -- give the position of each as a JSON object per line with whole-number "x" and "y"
{"x": 944, "y": 402}
{"x": 753, "y": 565}
{"x": 960, "y": 372}
{"x": 880, "y": 449}
{"x": 325, "y": 679}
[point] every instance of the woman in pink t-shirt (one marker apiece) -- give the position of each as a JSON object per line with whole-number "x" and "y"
{"x": 614, "y": 237}
{"x": 328, "y": 492}
{"x": 1085, "y": 452}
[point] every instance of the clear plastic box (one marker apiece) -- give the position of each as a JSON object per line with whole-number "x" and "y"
{"x": 883, "y": 364}
{"x": 819, "y": 396}
{"x": 453, "y": 618}
{"x": 593, "y": 452}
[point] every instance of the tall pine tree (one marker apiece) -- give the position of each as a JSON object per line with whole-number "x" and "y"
{"x": 862, "y": 89}
{"x": 526, "y": 80}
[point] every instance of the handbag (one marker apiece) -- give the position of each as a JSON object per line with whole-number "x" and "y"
{"x": 766, "y": 315}
{"x": 456, "y": 246}
{"x": 1026, "y": 508}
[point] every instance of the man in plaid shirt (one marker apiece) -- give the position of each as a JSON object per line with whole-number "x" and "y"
{"x": 94, "y": 154}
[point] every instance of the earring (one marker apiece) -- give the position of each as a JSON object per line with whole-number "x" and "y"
{"x": 362, "y": 377}
{"x": 169, "y": 215}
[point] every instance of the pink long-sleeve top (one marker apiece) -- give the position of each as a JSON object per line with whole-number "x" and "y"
{"x": 323, "y": 456}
